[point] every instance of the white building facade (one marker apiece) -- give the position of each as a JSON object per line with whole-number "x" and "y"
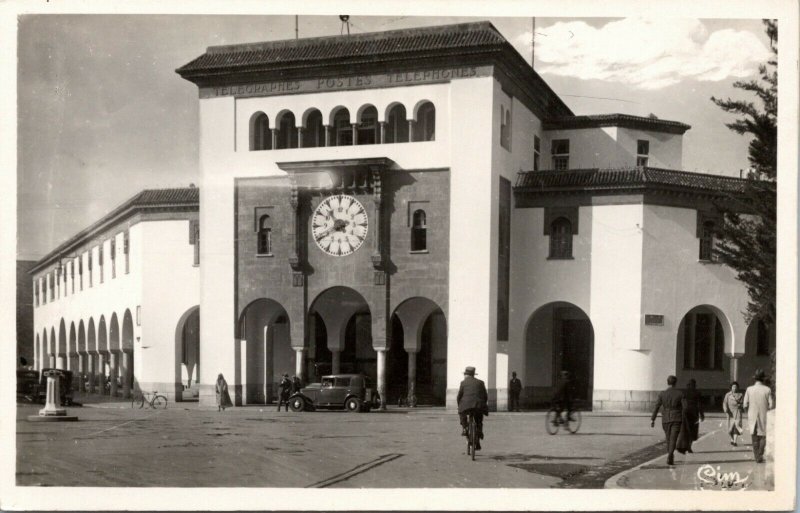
{"x": 118, "y": 303}
{"x": 490, "y": 227}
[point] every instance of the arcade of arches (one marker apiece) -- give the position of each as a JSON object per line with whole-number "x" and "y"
{"x": 100, "y": 353}
{"x": 339, "y": 340}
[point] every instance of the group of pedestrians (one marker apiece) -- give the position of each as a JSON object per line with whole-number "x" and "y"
{"x": 683, "y": 412}
{"x": 286, "y": 388}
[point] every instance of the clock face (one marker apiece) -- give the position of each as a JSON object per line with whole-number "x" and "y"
{"x": 339, "y": 225}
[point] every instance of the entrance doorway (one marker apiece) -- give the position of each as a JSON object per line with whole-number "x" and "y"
{"x": 559, "y": 337}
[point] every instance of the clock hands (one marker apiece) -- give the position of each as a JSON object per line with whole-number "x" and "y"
{"x": 338, "y": 226}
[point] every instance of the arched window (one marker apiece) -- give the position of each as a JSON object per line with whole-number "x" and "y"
{"x": 397, "y": 125}
{"x": 419, "y": 231}
{"x": 287, "y": 132}
{"x": 707, "y": 241}
{"x": 314, "y": 134}
{"x": 265, "y": 235}
{"x": 561, "y": 238}
{"x": 343, "y": 130}
{"x": 260, "y": 135}
{"x": 368, "y": 126}
{"x": 703, "y": 341}
{"x": 426, "y": 123}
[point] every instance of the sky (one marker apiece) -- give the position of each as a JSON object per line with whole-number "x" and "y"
{"x": 102, "y": 114}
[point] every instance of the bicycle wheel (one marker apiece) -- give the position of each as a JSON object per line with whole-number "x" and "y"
{"x": 551, "y": 421}
{"x": 140, "y": 400}
{"x": 473, "y": 435}
{"x": 573, "y": 421}
{"x": 159, "y": 401}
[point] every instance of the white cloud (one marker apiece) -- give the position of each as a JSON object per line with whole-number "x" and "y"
{"x": 646, "y": 53}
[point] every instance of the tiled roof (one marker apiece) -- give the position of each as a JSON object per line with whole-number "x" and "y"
{"x": 357, "y": 47}
{"x": 148, "y": 200}
{"x": 621, "y": 120}
{"x": 625, "y": 179}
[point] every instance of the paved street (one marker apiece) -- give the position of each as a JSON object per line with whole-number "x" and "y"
{"x": 114, "y": 445}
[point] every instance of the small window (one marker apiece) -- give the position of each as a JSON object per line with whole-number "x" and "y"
{"x": 265, "y": 235}
{"x": 561, "y": 238}
{"x": 36, "y": 292}
{"x": 126, "y": 248}
{"x": 537, "y": 150}
{"x": 560, "y": 152}
{"x": 642, "y": 152}
{"x": 707, "y": 241}
{"x": 342, "y": 382}
{"x": 327, "y": 382}
{"x": 505, "y": 127}
{"x": 89, "y": 266}
{"x": 100, "y": 261}
{"x": 762, "y": 339}
{"x": 72, "y": 275}
{"x": 419, "y": 229}
{"x": 194, "y": 240}
{"x": 113, "y": 257}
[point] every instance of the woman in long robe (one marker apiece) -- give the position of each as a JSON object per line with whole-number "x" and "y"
{"x": 732, "y": 406}
{"x": 223, "y": 398}
{"x": 692, "y": 416}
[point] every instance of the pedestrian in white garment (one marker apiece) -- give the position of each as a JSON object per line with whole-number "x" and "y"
{"x": 757, "y": 401}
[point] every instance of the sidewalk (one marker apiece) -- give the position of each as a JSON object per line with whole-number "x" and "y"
{"x": 714, "y": 465}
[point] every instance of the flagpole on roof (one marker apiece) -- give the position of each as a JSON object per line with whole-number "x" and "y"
{"x": 296, "y": 27}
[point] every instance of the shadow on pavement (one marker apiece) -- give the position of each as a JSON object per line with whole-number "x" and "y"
{"x": 520, "y": 456}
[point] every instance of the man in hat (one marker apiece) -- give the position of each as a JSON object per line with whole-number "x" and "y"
{"x": 757, "y": 401}
{"x": 284, "y": 391}
{"x": 672, "y": 417}
{"x": 472, "y": 398}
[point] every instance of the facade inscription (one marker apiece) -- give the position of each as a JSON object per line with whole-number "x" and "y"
{"x": 345, "y": 83}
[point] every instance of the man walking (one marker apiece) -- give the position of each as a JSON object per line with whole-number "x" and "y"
{"x": 757, "y": 401}
{"x": 472, "y": 398}
{"x": 514, "y": 388}
{"x": 284, "y": 391}
{"x": 671, "y": 418}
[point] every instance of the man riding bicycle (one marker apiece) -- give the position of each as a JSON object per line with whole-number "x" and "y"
{"x": 562, "y": 398}
{"x": 472, "y": 398}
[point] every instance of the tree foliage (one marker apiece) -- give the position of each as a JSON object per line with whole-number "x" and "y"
{"x": 747, "y": 239}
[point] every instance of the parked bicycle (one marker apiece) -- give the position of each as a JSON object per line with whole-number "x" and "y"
{"x": 153, "y": 399}
{"x": 555, "y": 419}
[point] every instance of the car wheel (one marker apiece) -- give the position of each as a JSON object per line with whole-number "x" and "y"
{"x": 353, "y": 405}
{"x": 297, "y": 404}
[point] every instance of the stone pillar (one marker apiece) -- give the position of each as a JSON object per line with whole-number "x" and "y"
{"x": 52, "y": 404}
{"x": 52, "y": 364}
{"x": 326, "y": 129}
{"x": 101, "y": 372}
{"x": 82, "y": 372}
{"x": 112, "y": 374}
{"x": 382, "y": 129}
{"x": 382, "y": 377}
{"x": 335, "y": 353}
{"x": 90, "y": 372}
{"x": 411, "y": 130}
{"x": 355, "y": 133}
{"x": 126, "y": 374}
{"x": 36, "y": 356}
{"x": 61, "y": 362}
{"x": 274, "y": 135}
{"x": 298, "y": 365}
{"x": 412, "y": 379}
{"x": 299, "y": 137}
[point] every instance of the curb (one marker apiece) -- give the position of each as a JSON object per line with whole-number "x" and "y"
{"x": 612, "y": 483}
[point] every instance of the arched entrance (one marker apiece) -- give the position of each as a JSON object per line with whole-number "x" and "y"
{"x": 559, "y": 336}
{"x": 268, "y": 353}
{"x": 417, "y": 358}
{"x": 187, "y": 355}
{"x": 759, "y": 351}
{"x": 127, "y": 353}
{"x": 61, "y": 352}
{"x": 340, "y": 338}
{"x": 102, "y": 355}
{"x": 703, "y": 336}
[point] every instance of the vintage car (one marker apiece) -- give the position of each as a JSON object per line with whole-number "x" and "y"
{"x": 352, "y": 392}
{"x": 33, "y": 385}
